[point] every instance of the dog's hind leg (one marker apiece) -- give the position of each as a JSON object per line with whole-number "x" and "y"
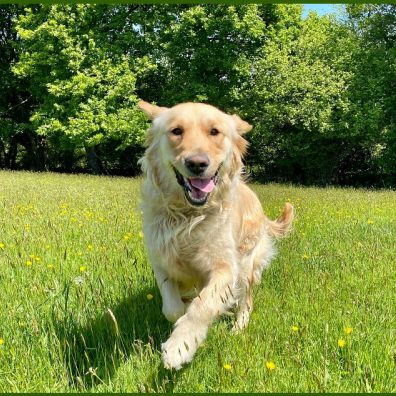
{"x": 252, "y": 265}
{"x": 262, "y": 256}
{"x": 245, "y": 304}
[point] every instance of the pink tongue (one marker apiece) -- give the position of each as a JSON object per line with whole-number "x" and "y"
{"x": 205, "y": 185}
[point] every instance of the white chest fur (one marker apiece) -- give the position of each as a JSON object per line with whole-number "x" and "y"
{"x": 185, "y": 244}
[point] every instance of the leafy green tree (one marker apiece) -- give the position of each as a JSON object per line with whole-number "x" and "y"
{"x": 73, "y": 55}
{"x": 19, "y": 144}
{"x": 319, "y": 91}
{"x": 86, "y": 94}
{"x": 206, "y": 52}
{"x": 298, "y": 98}
{"x": 372, "y": 90}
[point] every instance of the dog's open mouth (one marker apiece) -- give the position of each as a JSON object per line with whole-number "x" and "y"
{"x": 197, "y": 190}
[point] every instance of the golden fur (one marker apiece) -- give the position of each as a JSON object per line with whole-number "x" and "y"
{"x": 205, "y": 258}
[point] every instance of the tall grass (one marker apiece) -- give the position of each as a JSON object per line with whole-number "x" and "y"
{"x": 80, "y": 310}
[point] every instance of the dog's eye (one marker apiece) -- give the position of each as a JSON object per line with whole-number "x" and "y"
{"x": 214, "y": 132}
{"x": 176, "y": 131}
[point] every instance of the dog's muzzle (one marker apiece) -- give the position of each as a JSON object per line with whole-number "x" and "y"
{"x": 197, "y": 190}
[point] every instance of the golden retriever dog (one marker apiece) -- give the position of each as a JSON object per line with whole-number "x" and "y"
{"x": 207, "y": 237}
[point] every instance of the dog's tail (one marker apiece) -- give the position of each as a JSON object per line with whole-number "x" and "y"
{"x": 281, "y": 226}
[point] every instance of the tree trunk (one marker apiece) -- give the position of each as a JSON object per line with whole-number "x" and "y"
{"x": 2, "y": 154}
{"x": 94, "y": 162}
{"x": 10, "y": 157}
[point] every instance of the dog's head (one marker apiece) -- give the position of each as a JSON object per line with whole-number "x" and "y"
{"x": 194, "y": 148}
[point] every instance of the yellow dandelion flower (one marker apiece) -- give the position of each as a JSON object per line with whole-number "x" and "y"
{"x": 305, "y": 256}
{"x": 341, "y": 343}
{"x": 270, "y": 365}
{"x": 2, "y": 246}
{"x": 295, "y": 328}
{"x": 227, "y": 366}
{"x": 83, "y": 269}
{"x": 348, "y": 330}
{"x": 50, "y": 266}
{"x": 90, "y": 247}
{"x": 126, "y": 237}
{"x": 369, "y": 221}
{"x": 1, "y": 341}
{"x": 141, "y": 234}
{"x": 29, "y": 263}
{"x": 37, "y": 258}
{"x": 149, "y": 296}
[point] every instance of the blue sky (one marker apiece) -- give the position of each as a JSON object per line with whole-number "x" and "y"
{"x": 321, "y": 9}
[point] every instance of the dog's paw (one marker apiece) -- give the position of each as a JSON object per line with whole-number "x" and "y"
{"x": 242, "y": 320}
{"x": 182, "y": 344}
{"x": 175, "y": 353}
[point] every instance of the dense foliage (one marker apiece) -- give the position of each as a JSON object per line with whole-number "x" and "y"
{"x": 319, "y": 91}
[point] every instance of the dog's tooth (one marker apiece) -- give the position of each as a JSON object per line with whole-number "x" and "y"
{"x": 187, "y": 184}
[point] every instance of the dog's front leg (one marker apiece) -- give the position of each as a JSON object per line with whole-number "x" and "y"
{"x": 191, "y": 329}
{"x": 172, "y": 305}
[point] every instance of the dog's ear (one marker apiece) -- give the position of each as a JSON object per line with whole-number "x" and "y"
{"x": 242, "y": 126}
{"x": 240, "y": 144}
{"x": 152, "y": 111}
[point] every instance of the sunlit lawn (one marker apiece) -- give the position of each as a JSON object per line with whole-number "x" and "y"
{"x": 80, "y": 310}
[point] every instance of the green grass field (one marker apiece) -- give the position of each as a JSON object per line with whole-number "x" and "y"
{"x": 76, "y": 310}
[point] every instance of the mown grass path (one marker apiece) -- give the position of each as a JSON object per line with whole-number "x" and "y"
{"x": 80, "y": 310}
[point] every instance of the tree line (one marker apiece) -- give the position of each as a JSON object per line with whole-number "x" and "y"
{"x": 320, "y": 91}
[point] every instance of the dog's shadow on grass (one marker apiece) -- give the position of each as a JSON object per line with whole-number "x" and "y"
{"x": 133, "y": 326}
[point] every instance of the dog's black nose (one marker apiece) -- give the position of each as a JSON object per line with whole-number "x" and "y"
{"x": 197, "y": 164}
